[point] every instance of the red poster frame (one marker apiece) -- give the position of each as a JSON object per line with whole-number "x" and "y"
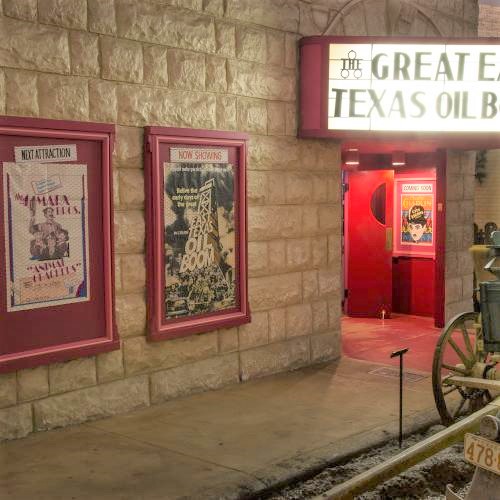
{"x": 156, "y": 138}
{"x": 102, "y": 137}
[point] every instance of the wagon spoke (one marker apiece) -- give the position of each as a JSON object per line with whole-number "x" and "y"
{"x": 459, "y": 408}
{"x": 465, "y": 360}
{"x": 454, "y": 369}
{"x": 468, "y": 345}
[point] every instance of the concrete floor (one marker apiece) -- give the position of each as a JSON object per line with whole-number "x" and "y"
{"x": 222, "y": 444}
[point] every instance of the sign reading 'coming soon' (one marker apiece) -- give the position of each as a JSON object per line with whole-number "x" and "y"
{"x": 414, "y": 87}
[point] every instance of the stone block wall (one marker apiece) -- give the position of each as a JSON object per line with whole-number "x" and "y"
{"x": 225, "y": 65}
{"x": 216, "y": 64}
{"x": 460, "y": 184}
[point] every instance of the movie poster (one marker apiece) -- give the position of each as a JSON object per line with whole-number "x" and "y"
{"x": 417, "y": 214}
{"x": 200, "y": 239}
{"x": 46, "y": 234}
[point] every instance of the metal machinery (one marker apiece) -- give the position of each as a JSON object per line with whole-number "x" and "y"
{"x": 464, "y": 374}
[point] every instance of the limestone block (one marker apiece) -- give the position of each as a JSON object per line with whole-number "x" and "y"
{"x": 156, "y": 23}
{"x": 276, "y": 187}
{"x": 257, "y": 185}
{"x": 277, "y": 325}
{"x": 310, "y": 220}
{"x": 141, "y": 355}
{"x": 328, "y": 281}
{"x": 310, "y": 284}
{"x": 121, "y": 60}
{"x": 319, "y": 247}
{"x": 268, "y": 153}
{"x": 228, "y": 340}
{"x": 92, "y": 403}
{"x": 298, "y": 320}
{"x": 21, "y": 9}
{"x": 334, "y": 189}
{"x": 454, "y": 187}
{"x": 63, "y": 97}
{"x": 205, "y": 375}
{"x": 298, "y": 253}
{"x": 267, "y": 82}
{"x": 116, "y": 189}
{"x": 275, "y": 118}
{"x": 110, "y": 366}
{"x": 33, "y": 383}
{"x": 469, "y": 187}
{"x": 465, "y": 263}
{"x": 8, "y": 395}
{"x": 15, "y": 422}
{"x": 132, "y": 188}
{"x": 185, "y": 4}
{"x": 277, "y": 256}
{"x": 451, "y": 264}
{"x": 291, "y": 50}
{"x": 3, "y": 92}
{"x": 275, "y": 48}
{"x": 216, "y": 80}
{"x": 226, "y": 113}
{"x": 455, "y": 308}
{"x": 22, "y": 93}
{"x": 453, "y": 289}
{"x": 33, "y": 46}
{"x": 133, "y": 268}
{"x": 155, "y": 65}
{"x": 129, "y": 147}
{"x": 279, "y": 14}
{"x": 251, "y": 44}
{"x": 71, "y": 375}
{"x": 225, "y": 38}
{"x": 467, "y": 236}
{"x": 355, "y": 23}
{"x": 326, "y": 346}
{"x": 186, "y": 69}
{"x": 274, "y": 222}
{"x": 101, "y": 16}
{"x": 467, "y": 286}
{"x": 254, "y": 333}
{"x": 468, "y": 212}
{"x": 334, "y": 248}
{"x": 334, "y": 313}
{"x": 454, "y": 212}
{"x": 130, "y": 314}
{"x": 299, "y": 188}
{"x": 257, "y": 258}
{"x": 118, "y": 274}
{"x": 269, "y": 292}
{"x": 274, "y": 358}
{"x": 319, "y": 316}
{"x": 146, "y": 106}
{"x": 67, "y": 13}
{"x": 291, "y": 119}
{"x": 320, "y": 188}
{"x": 329, "y": 217}
{"x": 252, "y": 115}
{"x": 84, "y": 51}
{"x": 468, "y": 164}
{"x": 215, "y": 7}
{"x": 103, "y": 101}
{"x": 129, "y": 232}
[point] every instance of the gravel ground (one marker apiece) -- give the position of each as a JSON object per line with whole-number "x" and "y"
{"x": 426, "y": 480}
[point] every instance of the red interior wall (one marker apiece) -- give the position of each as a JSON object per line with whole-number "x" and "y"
{"x": 413, "y": 286}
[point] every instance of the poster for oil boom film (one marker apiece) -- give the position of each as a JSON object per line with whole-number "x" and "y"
{"x": 46, "y": 234}
{"x": 199, "y": 211}
{"x": 417, "y": 206}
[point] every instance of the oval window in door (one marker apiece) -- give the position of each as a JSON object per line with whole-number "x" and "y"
{"x": 377, "y": 203}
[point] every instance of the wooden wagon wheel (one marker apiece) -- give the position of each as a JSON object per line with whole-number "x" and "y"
{"x": 456, "y": 353}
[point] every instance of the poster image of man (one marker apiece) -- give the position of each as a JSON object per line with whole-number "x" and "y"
{"x": 416, "y": 225}
{"x": 199, "y": 238}
{"x": 50, "y": 240}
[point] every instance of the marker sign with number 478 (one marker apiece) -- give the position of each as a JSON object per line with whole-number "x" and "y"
{"x": 482, "y": 452}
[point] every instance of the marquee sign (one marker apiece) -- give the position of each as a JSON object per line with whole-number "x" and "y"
{"x": 414, "y": 85}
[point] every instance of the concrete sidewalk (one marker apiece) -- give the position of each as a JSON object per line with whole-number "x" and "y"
{"x": 223, "y": 444}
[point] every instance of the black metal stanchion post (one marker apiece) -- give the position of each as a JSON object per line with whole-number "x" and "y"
{"x": 400, "y": 353}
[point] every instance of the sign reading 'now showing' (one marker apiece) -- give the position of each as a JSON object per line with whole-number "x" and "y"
{"x": 414, "y": 87}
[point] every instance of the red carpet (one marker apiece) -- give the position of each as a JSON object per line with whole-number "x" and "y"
{"x": 373, "y": 339}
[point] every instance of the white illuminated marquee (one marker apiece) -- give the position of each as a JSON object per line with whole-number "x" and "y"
{"x": 408, "y": 87}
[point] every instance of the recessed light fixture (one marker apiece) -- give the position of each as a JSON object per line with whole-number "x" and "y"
{"x": 351, "y": 157}
{"x": 398, "y": 158}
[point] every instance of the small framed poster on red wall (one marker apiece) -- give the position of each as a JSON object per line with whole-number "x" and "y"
{"x": 56, "y": 261}
{"x": 196, "y": 231}
{"x": 415, "y": 214}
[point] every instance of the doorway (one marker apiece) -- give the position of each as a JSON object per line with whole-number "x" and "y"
{"x": 393, "y": 250}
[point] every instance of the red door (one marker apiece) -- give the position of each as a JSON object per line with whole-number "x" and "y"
{"x": 368, "y": 243}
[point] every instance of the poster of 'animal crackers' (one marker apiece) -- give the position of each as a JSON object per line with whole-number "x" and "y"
{"x": 46, "y": 234}
{"x": 199, "y": 233}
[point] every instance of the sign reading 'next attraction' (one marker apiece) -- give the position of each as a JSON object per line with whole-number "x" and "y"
{"x": 353, "y": 87}
{"x": 426, "y": 87}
